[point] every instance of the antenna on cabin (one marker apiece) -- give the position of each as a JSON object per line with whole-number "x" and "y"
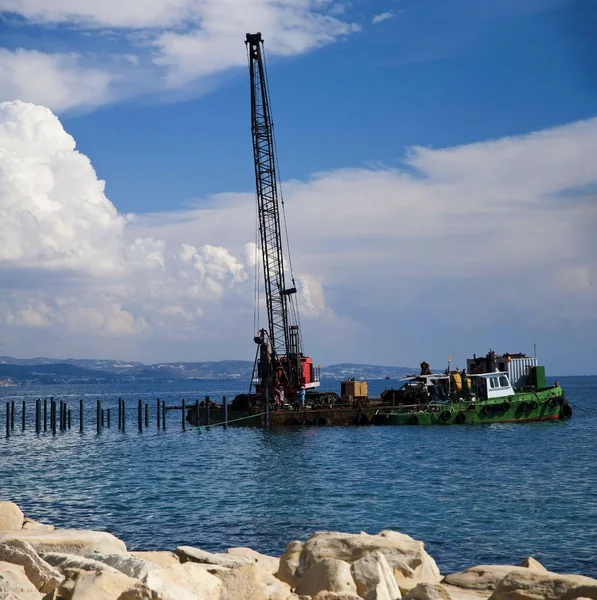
{"x": 535, "y": 349}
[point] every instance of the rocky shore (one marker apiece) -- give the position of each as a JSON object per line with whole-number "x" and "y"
{"x": 39, "y": 562}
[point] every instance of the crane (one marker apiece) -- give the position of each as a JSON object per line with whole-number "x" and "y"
{"x": 282, "y": 363}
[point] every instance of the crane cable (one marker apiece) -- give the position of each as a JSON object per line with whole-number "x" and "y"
{"x": 293, "y": 301}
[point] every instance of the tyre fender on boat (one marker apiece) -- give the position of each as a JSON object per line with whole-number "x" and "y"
{"x": 534, "y": 404}
{"x": 445, "y": 416}
{"x": 565, "y": 412}
{"x": 460, "y": 418}
{"x": 413, "y": 420}
{"x": 488, "y": 409}
{"x": 505, "y": 406}
{"x": 525, "y": 406}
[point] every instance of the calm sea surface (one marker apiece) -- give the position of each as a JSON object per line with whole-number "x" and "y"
{"x": 473, "y": 494}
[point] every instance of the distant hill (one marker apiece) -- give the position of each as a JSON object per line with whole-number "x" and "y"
{"x": 43, "y": 370}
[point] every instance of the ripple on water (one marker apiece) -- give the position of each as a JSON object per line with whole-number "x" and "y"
{"x": 473, "y": 494}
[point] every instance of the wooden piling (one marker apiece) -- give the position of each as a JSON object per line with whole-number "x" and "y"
{"x": 23, "y": 416}
{"x": 123, "y": 415}
{"x": 225, "y": 409}
{"x": 69, "y": 418}
{"x": 108, "y": 415}
{"x": 184, "y": 423}
{"x": 37, "y": 416}
{"x": 12, "y": 414}
{"x": 53, "y": 415}
{"x": 140, "y": 415}
{"x": 45, "y": 414}
{"x": 98, "y": 416}
{"x": 207, "y": 411}
{"x": 158, "y": 412}
{"x": 81, "y": 416}
{"x": 61, "y": 416}
{"x": 103, "y": 417}
{"x": 8, "y": 419}
{"x": 146, "y": 415}
{"x": 164, "y": 414}
{"x": 119, "y": 414}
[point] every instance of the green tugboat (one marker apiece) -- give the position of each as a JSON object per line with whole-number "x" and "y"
{"x": 493, "y": 389}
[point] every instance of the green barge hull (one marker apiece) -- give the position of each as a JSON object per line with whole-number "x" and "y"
{"x": 541, "y": 405}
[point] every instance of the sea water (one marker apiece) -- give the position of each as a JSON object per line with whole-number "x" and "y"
{"x": 474, "y": 494}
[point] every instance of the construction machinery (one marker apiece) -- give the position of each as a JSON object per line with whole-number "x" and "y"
{"x": 282, "y": 365}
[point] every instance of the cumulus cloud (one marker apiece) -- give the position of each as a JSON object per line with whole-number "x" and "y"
{"x": 454, "y": 250}
{"x": 59, "y": 81}
{"x": 382, "y": 17}
{"x": 168, "y": 45}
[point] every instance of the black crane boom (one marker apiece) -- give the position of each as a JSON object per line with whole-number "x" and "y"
{"x": 276, "y": 292}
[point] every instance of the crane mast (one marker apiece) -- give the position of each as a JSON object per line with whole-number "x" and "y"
{"x": 281, "y": 360}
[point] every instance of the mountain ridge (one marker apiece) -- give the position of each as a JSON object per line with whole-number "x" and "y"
{"x": 41, "y": 370}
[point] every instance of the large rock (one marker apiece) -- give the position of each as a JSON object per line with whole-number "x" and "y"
{"x": 141, "y": 592}
{"x": 530, "y": 563}
{"x": 531, "y": 584}
{"x": 188, "y": 553}
{"x": 481, "y": 577}
{"x": 374, "y": 578}
{"x": 42, "y": 575}
{"x": 100, "y": 586}
{"x": 289, "y": 569}
{"x": 406, "y": 557}
{"x": 70, "y": 541}
{"x": 186, "y": 581}
{"x": 31, "y": 524}
{"x": 427, "y": 591}
{"x": 66, "y": 562}
{"x": 11, "y": 516}
{"x": 326, "y": 574}
{"x": 163, "y": 558}
{"x": 14, "y": 584}
{"x": 128, "y": 564}
{"x": 269, "y": 563}
{"x": 251, "y": 583}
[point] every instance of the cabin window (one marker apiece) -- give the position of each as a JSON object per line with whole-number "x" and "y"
{"x": 504, "y": 381}
{"x": 494, "y": 382}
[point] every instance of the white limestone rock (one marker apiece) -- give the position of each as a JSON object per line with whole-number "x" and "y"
{"x": 336, "y": 596}
{"x": 427, "y": 591}
{"x": 374, "y": 578}
{"x": 43, "y": 576}
{"x": 289, "y": 569}
{"x": 11, "y": 517}
{"x": 65, "y": 562}
{"x": 532, "y": 584}
{"x": 188, "y": 553}
{"x": 269, "y": 563}
{"x": 31, "y": 524}
{"x": 126, "y": 563}
{"x": 70, "y": 541}
{"x": 187, "y": 581}
{"x": 407, "y": 557}
{"x": 100, "y": 586}
{"x": 252, "y": 583}
{"x": 162, "y": 558}
{"x": 14, "y": 584}
{"x": 326, "y": 574}
{"x": 481, "y": 577}
{"x": 531, "y": 563}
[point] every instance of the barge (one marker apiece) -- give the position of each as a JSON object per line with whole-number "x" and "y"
{"x": 493, "y": 389}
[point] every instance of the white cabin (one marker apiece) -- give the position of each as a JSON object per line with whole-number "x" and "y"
{"x": 493, "y": 385}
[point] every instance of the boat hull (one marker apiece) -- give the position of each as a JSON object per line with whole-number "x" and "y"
{"x": 542, "y": 405}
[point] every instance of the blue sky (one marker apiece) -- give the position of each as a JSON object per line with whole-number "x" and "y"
{"x": 158, "y": 99}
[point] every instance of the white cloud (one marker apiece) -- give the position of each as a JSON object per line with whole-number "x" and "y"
{"x": 382, "y": 17}
{"x": 168, "y": 45}
{"x": 465, "y": 245}
{"x": 58, "y": 81}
